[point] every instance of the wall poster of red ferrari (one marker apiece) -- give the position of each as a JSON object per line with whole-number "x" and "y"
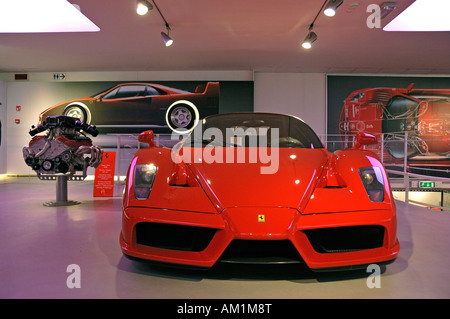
{"x": 131, "y": 107}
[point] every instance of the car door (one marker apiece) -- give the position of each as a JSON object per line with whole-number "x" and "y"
{"x": 154, "y": 113}
{"x": 127, "y": 105}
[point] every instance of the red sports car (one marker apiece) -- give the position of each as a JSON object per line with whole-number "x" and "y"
{"x": 423, "y": 113}
{"x": 132, "y": 105}
{"x": 258, "y": 188}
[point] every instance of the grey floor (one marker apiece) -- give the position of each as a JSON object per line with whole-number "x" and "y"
{"x": 38, "y": 243}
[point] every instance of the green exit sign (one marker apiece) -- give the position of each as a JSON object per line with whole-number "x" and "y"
{"x": 426, "y": 184}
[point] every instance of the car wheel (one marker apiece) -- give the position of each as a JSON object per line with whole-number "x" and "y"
{"x": 77, "y": 112}
{"x": 181, "y": 116}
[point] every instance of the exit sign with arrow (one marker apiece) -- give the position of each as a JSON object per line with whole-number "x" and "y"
{"x": 59, "y": 76}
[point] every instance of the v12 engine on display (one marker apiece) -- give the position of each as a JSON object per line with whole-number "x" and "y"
{"x": 64, "y": 148}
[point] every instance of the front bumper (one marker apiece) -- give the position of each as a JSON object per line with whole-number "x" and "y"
{"x": 260, "y": 234}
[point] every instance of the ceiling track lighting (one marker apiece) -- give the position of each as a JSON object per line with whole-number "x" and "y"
{"x": 331, "y": 7}
{"x": 310, "y": 38}
{"x": 166, "y": 38}
{"x": 330, "y": 10}
{"x": 143, "y": 6}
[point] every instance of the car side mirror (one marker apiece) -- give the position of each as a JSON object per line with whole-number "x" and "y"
{"x": 364, "y": 139}
{"x": 147, "y": 137}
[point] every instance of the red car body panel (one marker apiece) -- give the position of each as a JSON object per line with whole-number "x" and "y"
{"x": 312, "y": 190}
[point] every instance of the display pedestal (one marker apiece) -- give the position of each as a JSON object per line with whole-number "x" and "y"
{"x": 61, "y": 194}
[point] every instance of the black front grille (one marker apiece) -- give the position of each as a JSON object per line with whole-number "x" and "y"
{"x": 345, "y": 239}
{"x": 171, "y": 236}
{"x": 261, "y": 252}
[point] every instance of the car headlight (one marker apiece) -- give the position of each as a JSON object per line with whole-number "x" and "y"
{"x": 372, "y": 180}
{"x": 144, "y": 176}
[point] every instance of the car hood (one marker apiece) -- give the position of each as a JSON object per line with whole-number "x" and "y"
{"x": 62, "y": 104}
{"x": 288, "y": 179}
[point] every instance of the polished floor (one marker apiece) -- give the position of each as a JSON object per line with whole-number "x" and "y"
{"x": 38, "y": 244}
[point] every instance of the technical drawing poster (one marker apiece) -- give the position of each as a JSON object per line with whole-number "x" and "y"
{"x": 389, "y": 107}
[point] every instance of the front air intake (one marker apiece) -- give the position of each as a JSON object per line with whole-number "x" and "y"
{"x": 171, "y": 236}
{"x": 346, "y": 239}
{"x": 261, "y": 252}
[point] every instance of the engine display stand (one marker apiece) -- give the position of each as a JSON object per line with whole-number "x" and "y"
{"x": 61, "y": 193}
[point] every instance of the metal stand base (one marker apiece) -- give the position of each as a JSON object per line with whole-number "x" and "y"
{"x": 55, "y": 203}
{"x": 61, "y": 194}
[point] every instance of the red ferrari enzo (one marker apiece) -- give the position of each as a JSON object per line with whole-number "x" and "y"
{"x": 258, "y": 188}
{"x": 130, "y": 105}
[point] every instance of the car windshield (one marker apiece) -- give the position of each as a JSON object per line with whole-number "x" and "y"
{"x": 253, "y": 129}
{"x": 100, "y": 93}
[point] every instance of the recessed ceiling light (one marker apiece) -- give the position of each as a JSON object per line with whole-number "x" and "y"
{"x": 422, "y": 15}
{"x": 33, "y": 16}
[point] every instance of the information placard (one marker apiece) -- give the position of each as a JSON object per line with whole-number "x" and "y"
{"x": 104, "y": 176}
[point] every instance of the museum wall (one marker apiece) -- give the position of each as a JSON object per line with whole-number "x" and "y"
{"x": 302, "y": 95}
{"x": 299, "y": 94}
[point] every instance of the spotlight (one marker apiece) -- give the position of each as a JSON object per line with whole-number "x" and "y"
{"x": 310, "y": 38}
{"x": 143, "y": 6}
{"x": 387, "y": 8}
{"x": 331, "y": 7}
{"x": 166, "y": 38}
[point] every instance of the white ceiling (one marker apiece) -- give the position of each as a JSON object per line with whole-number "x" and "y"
{"x": 253, "y": 35}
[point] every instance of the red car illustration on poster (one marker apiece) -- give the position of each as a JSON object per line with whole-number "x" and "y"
{"x": 423, "y": 113}
{"x": 198, "y": 204}
{"x": 138, "y": 105}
